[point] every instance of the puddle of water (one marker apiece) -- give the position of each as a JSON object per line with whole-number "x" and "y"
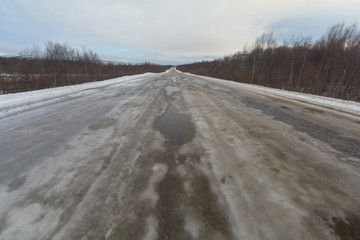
{"x": 348, "y": 229}
{"x": 175, "y": 126}
{"x": 178, "y": 129}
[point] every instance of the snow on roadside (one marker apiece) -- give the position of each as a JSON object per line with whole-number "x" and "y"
{"x": 325, "y": 101}
{"x": 8, "y": 100}
{"x": 15, "y": 99}
{"x": 333, "y": 102}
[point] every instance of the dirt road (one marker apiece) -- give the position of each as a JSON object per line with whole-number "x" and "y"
{"x": 178, "y": 156}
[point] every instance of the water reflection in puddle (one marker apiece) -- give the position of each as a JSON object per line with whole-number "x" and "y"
{"x": 175, "y": 126}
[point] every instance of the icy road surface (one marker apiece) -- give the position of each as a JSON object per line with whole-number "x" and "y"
{"x": 178, "y": 156}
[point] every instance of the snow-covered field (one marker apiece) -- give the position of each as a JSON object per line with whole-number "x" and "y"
{"x": 177, "y": 156}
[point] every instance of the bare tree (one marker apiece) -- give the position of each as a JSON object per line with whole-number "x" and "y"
{"x": 329, "y": 66}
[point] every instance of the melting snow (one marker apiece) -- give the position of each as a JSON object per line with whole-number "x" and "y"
{"x": 15, "y": 101}
{"x": 331, "y": 102}
{"x": 170, "y": 90}
{"x": 159, "y": 172}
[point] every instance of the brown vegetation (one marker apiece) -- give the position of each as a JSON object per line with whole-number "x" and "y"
{"x": 60, "y": 65}
{"x": 328, "y": 67}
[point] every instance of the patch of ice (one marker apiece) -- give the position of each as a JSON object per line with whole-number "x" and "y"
{"x": 5, "y": 74}
{"x": 110, "y": 231}
{"x": 188, "y": 187}
{"x": 281, "y": 199}
{"x": 30, "y": 222}
{"x": 152, "y": 225}
{"x": 170, "y": 90}
{"x": 169, "y": 70}
{"x": 3, "y": 195}
{"x": 159, "y": 172}
{"x": 191, "y": 226}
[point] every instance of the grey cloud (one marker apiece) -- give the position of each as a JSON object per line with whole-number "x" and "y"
{"x": 170, "y": 29}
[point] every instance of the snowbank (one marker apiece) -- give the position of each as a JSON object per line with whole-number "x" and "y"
{"x": 325, "y": 101}
{"x": 15, "y": 99}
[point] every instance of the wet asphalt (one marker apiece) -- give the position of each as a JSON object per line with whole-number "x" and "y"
{"x": 176, "y": 156}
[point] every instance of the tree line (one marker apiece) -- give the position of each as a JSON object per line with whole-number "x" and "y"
{"x": 329, "y": 66}
{"x": 60, "y": 65}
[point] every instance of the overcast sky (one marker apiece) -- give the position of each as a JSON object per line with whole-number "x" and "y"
{"x": 165, "y": 31}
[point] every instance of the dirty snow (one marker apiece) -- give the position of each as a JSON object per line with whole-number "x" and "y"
{"x": 15, "y": 102}
{"x": 152, "y": 225}
{"x": 159, "y": 172}
{"x": 33, "y": 220}
{"x": 327, "y": 101}
{"x": 192, "y": 226}
{"x": 170, "y": 90}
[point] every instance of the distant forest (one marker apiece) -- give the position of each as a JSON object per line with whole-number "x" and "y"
{"x": 60, "y": 65}
{"x": 329, "y": 66}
